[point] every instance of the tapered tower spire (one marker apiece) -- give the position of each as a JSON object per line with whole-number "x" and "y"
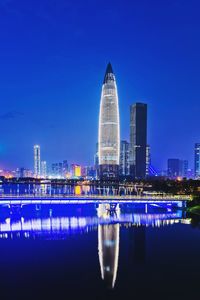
{"x": 109, "y": 72}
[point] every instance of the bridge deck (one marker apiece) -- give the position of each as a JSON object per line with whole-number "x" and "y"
{"x": 71, "y": 199}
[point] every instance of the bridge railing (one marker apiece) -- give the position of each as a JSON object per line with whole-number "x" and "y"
{"x": 114, "y": 197}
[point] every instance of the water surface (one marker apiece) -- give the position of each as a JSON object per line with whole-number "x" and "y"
{"x": 95, "y": 252}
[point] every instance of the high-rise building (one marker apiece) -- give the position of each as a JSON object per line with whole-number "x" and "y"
{"x": 37, "y": 166}
{"x": 109, "y": 128}
{"x": 43, "y": 169}
{"x": 197, "y": 161}
{"x": 148, "y": 160}
{"x": 138, "y": 140}
{"x": 124, "y": 159}
{"x": 173, "y": 168}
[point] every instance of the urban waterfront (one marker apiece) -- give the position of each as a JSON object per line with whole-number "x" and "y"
{"x": 99, "y": 150}
{"x": 97, "y": 251}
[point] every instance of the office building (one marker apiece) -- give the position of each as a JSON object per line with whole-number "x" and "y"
{"x": 197, "y": 161}
{"x": 57, "y": 170}
{"x": 37, "y": 165}
{"x": 148, "y": 160}
{"x": 124, "y": 159}
{"x": 138, "y": 140}
{"x": 109, "y": 128}
{"x": 75, "y": 170}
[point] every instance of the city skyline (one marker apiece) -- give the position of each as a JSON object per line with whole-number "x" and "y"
{"x": 43, "y": 70}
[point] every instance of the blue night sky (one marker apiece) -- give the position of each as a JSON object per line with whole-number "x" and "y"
{"x": 53, "y": 56}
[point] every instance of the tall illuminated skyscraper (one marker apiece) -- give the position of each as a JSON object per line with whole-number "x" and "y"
{"x": 109, "y": 128}
{"x": 37, "y": 163}
{"x": 197, "y": 161}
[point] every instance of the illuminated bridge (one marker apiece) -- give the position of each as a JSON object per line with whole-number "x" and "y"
{"x": 66, "y": 199}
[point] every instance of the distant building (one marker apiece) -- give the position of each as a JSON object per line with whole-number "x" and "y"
{"x": 76, "y": 170}
{"x": 88, "y": 172}
{"x": 124, "y": 159}
{"x": 190, "y": 173}
{"x": 65, "y": 168}
{"x": 148, "y": 160}
{"x": 28, "y": 173}
{"x": 173, "y": 168}
{"x": 23, "y": 173}
{"x": 57, "y": 170}
{"x": 37, "y": 166}
{"x": 197, "y": 161}
{"x": 183, "y": 168}
{"x": 138, "y": 140}
{"x": 43, "y": 169}
{"x": 109, "y": 129}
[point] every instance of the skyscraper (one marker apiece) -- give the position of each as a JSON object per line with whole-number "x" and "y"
{"x": 138, "y": 140}
{"x": 197, "y": 161}
{"x": 109, "y": 128}
{"x": 124, "y": 159}
{"x": 37, "y": 161}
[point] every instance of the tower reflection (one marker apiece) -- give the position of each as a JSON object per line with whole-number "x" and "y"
{"x": 108, "y": 245}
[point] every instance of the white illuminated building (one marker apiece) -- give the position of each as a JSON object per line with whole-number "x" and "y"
{"x": 109, "y": 127}
{"x": 37, "y": 164}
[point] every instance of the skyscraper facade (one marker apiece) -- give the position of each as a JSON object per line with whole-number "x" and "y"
{"x": 197, "y": 161}
{"x": 37, "y": 166}
{"x": 148, "y": 160}
{"x": 138, "y": 140}
{"x": 109, "y": 128}
{"x": 124, "y": 159}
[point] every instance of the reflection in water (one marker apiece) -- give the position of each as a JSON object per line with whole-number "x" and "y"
{"x": 108, "y": 247}
{"x": 38, "y": 222}
{"x": 108, "y": 244}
